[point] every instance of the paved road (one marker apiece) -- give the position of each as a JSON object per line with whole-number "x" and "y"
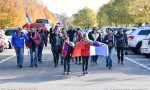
{"x": 131, "y": 76}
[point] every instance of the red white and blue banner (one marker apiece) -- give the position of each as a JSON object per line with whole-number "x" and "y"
{"x": 97, "y": 48}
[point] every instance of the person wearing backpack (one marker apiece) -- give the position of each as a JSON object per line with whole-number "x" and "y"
{"x": 17, "y": 41}
{"x": 32, "y": 44}
{"x": 109, "y": 40}
{"x": 121, "y": 42}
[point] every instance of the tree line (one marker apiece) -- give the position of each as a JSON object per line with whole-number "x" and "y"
{"x": 13, "y": 12}
{"x": 114, "y": 13}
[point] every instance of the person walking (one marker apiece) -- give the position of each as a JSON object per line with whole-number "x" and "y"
{"x": 32, "y": 44}
{"x": 66, "y": 54}
{"x": 46, "y": 34}
{"x": 109, "y": 40}
{"x": 77, "y": 38}
{"x": 94, "y": 36}
{"x": 17, "y": 41}
{"x": 42, "y": 42}
{"x": 85, "y": 53}
{"x": 55, "y": 39}
{"x": 121, "y": 43}
{"x": 71, "y": 33}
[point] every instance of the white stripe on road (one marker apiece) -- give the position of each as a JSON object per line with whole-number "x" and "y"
{"x": 131, "y": 60}
{"x": 7, "y": 59}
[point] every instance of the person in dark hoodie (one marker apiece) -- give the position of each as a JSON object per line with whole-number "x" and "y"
{"x": 55, "y": 39}
{"x": 121, "y": 42}
{"x": 66, "y": 54}
{"x": 42, "y": 42}
{"x": 71, "y": 33}
{"x": 94, "y": 36}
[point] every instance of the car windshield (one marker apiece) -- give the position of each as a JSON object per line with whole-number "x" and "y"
{"x": 42, "y": 21}
{"x": 9, "y": 32}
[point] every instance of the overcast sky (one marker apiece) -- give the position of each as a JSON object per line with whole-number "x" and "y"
{"x": 71, "y": 6}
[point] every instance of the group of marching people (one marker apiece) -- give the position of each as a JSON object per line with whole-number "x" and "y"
{"x": 63, "y": 43}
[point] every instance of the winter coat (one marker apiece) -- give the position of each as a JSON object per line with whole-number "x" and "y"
{"x": 18, "y": 41}
{"x": 36, "y": 39}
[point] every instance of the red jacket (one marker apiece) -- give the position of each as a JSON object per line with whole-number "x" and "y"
{"x": 86, "y": 50}
{"x": 36, "y": 39}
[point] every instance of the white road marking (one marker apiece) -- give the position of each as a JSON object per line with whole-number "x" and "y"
{"x": 7, "y": 59}
{"x": 133, "y": 61}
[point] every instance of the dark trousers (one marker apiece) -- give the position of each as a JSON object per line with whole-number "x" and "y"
{"x": 55, "y": 52}
{"x": 94, "y": 58}
{"x": 66, "y": 65}
{"x": 40, "y": 50}
{"x": 109, "y": 59}
{"x": 78, "y": 59}
{"x": 120, "y": 53}
{"x": 85, "y": 60}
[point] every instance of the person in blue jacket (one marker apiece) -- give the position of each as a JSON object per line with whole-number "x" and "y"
{"x": 17, "y": 41}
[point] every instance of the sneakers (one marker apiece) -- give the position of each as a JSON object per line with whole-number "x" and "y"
{"x": 36, "y": 65}
{"x": 31, "y": 66}
{"x": 20, "y": 66}
{"x": 118, "y": 61}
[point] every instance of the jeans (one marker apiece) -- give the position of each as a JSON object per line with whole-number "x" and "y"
{"x": 94, "y": 58}
{"x": 66, "y": 65}
{"x": 34, "y": 56}
{"x": 20, "y": 56}
{"x": 120, "y": 53}
{"x": 85, "y": 60}
{"x": 40, "y": 50}
{"x": 109, "y": 59}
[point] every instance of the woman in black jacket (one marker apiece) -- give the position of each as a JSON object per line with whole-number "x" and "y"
{"x": 94, "y": 36}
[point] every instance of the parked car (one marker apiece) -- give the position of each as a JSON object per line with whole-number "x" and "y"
{"x": 145, "y": 48}
{"x": 135, "y": 39}
{"x": 9, "y": 32}
{"x": 2, "y": 41}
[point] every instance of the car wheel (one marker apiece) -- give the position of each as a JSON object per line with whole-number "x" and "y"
{"x": 138, "y": 48}
{"x": 134, "y": 50}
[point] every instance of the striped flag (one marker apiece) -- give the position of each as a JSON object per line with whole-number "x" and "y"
{"x": 28, "y": 18}
{"x": 97, "y": 48}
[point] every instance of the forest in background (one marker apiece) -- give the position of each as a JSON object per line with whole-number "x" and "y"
{"x": 13, "y": 12}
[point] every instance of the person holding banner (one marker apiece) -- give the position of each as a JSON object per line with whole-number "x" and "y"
{"x": 85, "y": 53}
{"x": 77, "y": 38}
{"x": 109, "y": 40}
{"x": 94, "y": 36}
{"x": 32, "y": 44}
{"x": 66, "y": 54}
